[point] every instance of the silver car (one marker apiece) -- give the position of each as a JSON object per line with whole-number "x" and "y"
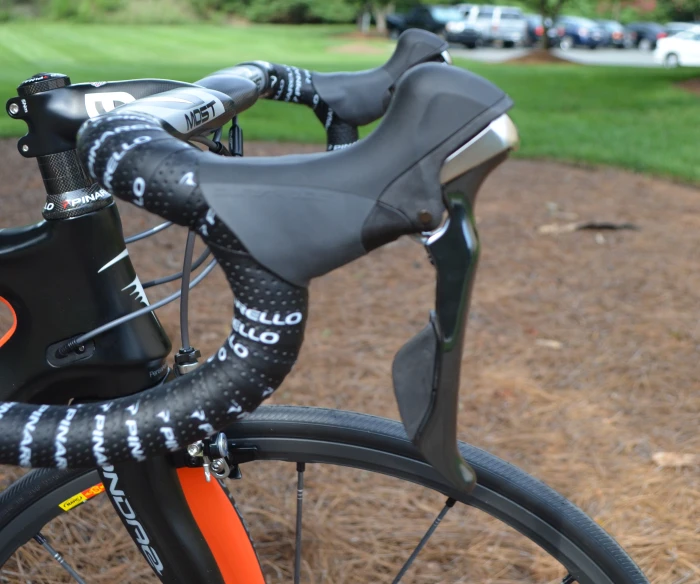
{"x": 496, "y": 24}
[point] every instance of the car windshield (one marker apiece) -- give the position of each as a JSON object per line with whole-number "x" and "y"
{"x": 688, "y": 34}
{"x": 446, "y": 13}
{"x": 577, "y": 21}
{"x": 647, "y": 25}
{"x": 610, "y": 25}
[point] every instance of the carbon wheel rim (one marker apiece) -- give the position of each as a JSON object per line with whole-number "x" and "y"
{"x": 313, "y": 452}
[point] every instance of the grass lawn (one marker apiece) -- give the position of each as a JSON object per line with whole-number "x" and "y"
{"x": 634, "y": 118}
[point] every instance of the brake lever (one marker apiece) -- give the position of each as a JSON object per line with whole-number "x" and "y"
{"x": 426, "y": 370}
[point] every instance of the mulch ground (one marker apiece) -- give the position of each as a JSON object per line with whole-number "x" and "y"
{"x": 540, "y": 57}
{"x": 692, "y": 85}
{"x": 581, "y": 367}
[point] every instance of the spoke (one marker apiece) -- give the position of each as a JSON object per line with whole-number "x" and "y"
{"x": 568, "y": 580}
{"x": 58, "y": 557}
{"x": 301, "y": 467}
{"x": 421, "y": 544}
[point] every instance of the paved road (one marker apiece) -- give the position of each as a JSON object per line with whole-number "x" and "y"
{"x": 617, "y": 57}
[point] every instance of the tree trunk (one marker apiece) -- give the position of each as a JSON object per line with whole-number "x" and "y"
{"x": 545, "y": 42}
{"x": 551, "y": 12}
{"x": 616, "y": 9}
{"x": 380, "y": 13}
{"x": 364, "y": 21}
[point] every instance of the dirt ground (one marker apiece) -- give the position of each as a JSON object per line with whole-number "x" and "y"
{"x": 692, "y": 85}
{"x": 581, "y": 367}
{"x": 541, "y": 57}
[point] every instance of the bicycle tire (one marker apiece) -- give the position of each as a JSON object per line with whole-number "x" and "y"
{"x": 316, "y": 435}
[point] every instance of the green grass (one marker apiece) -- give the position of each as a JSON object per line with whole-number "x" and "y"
{"x": 633, "y": 118}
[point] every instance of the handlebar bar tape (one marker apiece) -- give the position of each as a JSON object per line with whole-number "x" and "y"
{"x": 344, "y": 101}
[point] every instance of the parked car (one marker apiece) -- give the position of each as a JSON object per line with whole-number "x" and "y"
{"x": 616, "y": 35}
{"x": 575, "y": 31}
{"x": 648, "y": 33}
{"x": 680, "y": 50}
{"x": 431, "y": 18}
{"x": 458, "y": 31}
{"x": 676, "y": 27}
{"x": 535, "y": 30}
{"x": 496, "y": 24}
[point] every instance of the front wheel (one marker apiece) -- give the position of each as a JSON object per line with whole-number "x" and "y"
{"x": 645, "y": 45}
{"x": 551, "y": 539}
{"x": 566, "y": 43}
{"x": 671, "y": 61}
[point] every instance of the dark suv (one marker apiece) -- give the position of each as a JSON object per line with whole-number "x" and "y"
{"x": 616, "y": 35}
{"x": 575, "y": 31}
{"x": 647, "y": 34}
{"x": 430, "y": 18}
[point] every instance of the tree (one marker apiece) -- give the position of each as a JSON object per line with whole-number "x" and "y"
{"x": 549, "y": 10}
{"x": 682, "y": 9}
{"x": 380, "y": 10}
{"x": 300, "y": 11}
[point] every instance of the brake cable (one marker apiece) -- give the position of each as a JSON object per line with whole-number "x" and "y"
{"x": 187, "y": 358}
{"x": 184, "y": 292}
{"x": 188, "y": 265}
{"x": 82, "y": 339}
{"x": 148, "y": 232}
{"x": 172, "y": 277}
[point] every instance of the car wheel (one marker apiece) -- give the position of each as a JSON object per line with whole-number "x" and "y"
{"x": 671, "y": 61}
{"x": 566, "y": 43}
{"x": 645, "y": 45}
{"x": 394, "y": 34}
{"x": 592, "y": 47}
{"x": 470, "y": 45}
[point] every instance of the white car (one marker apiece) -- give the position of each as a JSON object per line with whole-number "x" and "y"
{"x": 680, "y": 50}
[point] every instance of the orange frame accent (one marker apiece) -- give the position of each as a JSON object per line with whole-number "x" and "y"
{"x": 222, "y": 528}
{"x": 6, "y": 337}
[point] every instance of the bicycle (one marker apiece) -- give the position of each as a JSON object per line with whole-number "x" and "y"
{"x": 102, "y": 411}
